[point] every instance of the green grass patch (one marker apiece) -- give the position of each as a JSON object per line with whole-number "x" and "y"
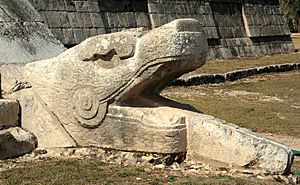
{"x": 266, "y": 103}
{"x": 69, "y": 172}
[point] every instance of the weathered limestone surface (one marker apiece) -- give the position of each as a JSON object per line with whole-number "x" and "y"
{"x": 15, "y": 142}
{"x": 105, "y": 92}
{"x": 220, "y": 143}
{"x": 9, "y": 113}
{"x": 23, "y": 36}
{"x": 43, "y": 123}
{"x": 11, "y": 77}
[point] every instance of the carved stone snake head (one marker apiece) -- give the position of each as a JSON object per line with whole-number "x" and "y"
{"x": 126, "y": 69}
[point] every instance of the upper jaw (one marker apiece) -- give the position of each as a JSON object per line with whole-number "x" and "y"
{"x": 163, "y": 55}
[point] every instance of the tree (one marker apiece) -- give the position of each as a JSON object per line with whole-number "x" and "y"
{"x": 291, "y": 11}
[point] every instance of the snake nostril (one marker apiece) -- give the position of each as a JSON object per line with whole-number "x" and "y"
{"x": 96, "y": 56}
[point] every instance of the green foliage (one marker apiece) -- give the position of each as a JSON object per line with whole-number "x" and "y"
{"x": 291, "y": 10}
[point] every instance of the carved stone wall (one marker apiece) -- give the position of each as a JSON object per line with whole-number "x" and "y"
{"x": 233, "y": 27}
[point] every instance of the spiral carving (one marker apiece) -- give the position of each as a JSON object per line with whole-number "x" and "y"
{"x": 88, "y": 111}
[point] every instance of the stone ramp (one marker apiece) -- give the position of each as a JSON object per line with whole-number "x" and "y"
{"x": 23, "y": 36}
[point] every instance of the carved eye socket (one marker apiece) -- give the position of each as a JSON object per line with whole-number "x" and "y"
{"x": 96, "y": 56}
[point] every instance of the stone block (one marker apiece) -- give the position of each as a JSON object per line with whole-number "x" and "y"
{"x": 101, "y": 31}
{"x": 64, "y": 19}
{"x": 78, "y": 35}
{"x": 68, "y": 36}
{"x": 122, "y": 20}
{"x": 55, "y": 5}
{"x": 15, "y": 142}
{"x": 96, "y": 20}
{"x": 254, "y": 31}
{"x": 155, "y": 8}
{"x": 88, "y": 32}
{"x": 114, "y": 30}
{"x": 82, "y": 6}
{"x": 80, "y": 20}
{"x": 169, "y": 8}
{"x": 241, "y": 51}
{"x": 170, "y": 17}
{"x": 142, "y": 20}
{"x": 57, "y": 32}
{"x": 277, "y": 10}
{"x": 158, "y": 19}
{"x": 70, "y": 5}
{"x": 238, "y": 32}
{"x": 112, "y": 19}
{"x": 208, "y": 20}
{"x": 9, "y": 113}
{"x": 131, "y": 20}
{"x": 94, "y": 7}
{"x": 44, "y": 17}
{"x": 193, "y": 8}
{"x": 74, "y": 21}
{"x": 211, "y": 32}
{"x": 87, "y": 23}
{"x": 226, "y": 32}
{"x": 54, "y": 19}
{"x": 208, "y": 137}
{"x": 47, "y": 130}
{"x": 224, "y": 52}
{"x": 263, "y": 50}
{"x": 39, "y": 5}
{"x": 93, "y": 32}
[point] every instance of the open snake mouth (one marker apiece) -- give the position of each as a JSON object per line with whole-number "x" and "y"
{"x": 146, "y": 93}
{"x": 152, "y": 77}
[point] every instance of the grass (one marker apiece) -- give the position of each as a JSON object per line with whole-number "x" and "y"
{"x": 94, "y": 172}
{"x": 226, "y": 65}
{"x": 263, "y": 104}
{"x": 296, "y": 41}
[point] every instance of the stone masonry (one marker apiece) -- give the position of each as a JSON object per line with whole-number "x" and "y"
{"x": 234, "y": 27}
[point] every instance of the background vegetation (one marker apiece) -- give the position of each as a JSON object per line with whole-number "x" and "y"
{"x": 291, "y": 10}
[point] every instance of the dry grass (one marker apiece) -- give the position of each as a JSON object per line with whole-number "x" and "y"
{"x": 226, "y": 65}
{"x": 69, "y": 172}
{"x": 265, "y": 103}
{"x": 296, "y": 41}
